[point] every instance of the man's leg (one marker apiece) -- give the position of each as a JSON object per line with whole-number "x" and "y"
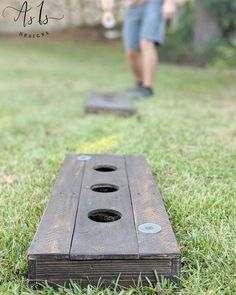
{"x": 131, "y": 32}
{"x": 134, "y": 60}
{"x": 149, "y": 62}
{"x": 151, "y": 33}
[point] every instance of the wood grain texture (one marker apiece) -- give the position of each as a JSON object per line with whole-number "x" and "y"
{"x": 148, "y": 207}
{"x": 60, "y": 272}
{"x": 98, "y": 240}
{"x": 109, "y": 103}
{"x": 54, "y": 234}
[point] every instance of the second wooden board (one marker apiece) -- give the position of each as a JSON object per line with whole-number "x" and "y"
{"x": 109, "y": 103}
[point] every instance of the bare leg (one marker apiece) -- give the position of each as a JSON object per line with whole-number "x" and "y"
{"x": 134, "y": 60}
{"x": 149, "y": 62}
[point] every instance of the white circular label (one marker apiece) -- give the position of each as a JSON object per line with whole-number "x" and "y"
{"x": 149, "y": 228}
{"x": 83, "y": 158}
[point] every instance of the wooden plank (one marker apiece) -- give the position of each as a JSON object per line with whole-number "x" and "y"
{"x": 61, "y": 272}
{"x": 111, "y": 240}
{"x": 54, "y": 234}
{"x": 148, "y": 207}
{"x": 109, "y": 103}
{"x": 72, "y": 269}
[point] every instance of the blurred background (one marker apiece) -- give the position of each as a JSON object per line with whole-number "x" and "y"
{"x": 202, "y": 32}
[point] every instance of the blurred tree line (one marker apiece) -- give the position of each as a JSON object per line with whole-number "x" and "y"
{"x": 225, "y": 14}
{"x": 205, "y": 33}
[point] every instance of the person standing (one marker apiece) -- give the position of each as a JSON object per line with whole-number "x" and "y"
{"x": 144, "y": 29}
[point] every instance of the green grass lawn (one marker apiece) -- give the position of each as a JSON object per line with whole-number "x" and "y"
{"x": 187, "y": 132}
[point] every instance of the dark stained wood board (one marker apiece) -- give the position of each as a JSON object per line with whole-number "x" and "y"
{"x": 55, "y": 231}
{"x": 85, "y": 272}
{"x": 148, "y": 207}
{"x": 104, "y": 240}
{"x": 70, "y": 245}
{"x": 108, "y": 103}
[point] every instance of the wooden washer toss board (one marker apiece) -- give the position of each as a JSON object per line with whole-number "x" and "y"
{"x": 105, "y": 218}
{"x": 109, "y": 103}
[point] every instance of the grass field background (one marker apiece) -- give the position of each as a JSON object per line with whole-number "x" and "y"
{"x": 187, "y": 132}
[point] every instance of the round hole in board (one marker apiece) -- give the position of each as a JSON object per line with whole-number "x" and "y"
{"x": 105, "y": 168}
{"x": 104, "y": 215}
{"x": 104, "y": 188}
